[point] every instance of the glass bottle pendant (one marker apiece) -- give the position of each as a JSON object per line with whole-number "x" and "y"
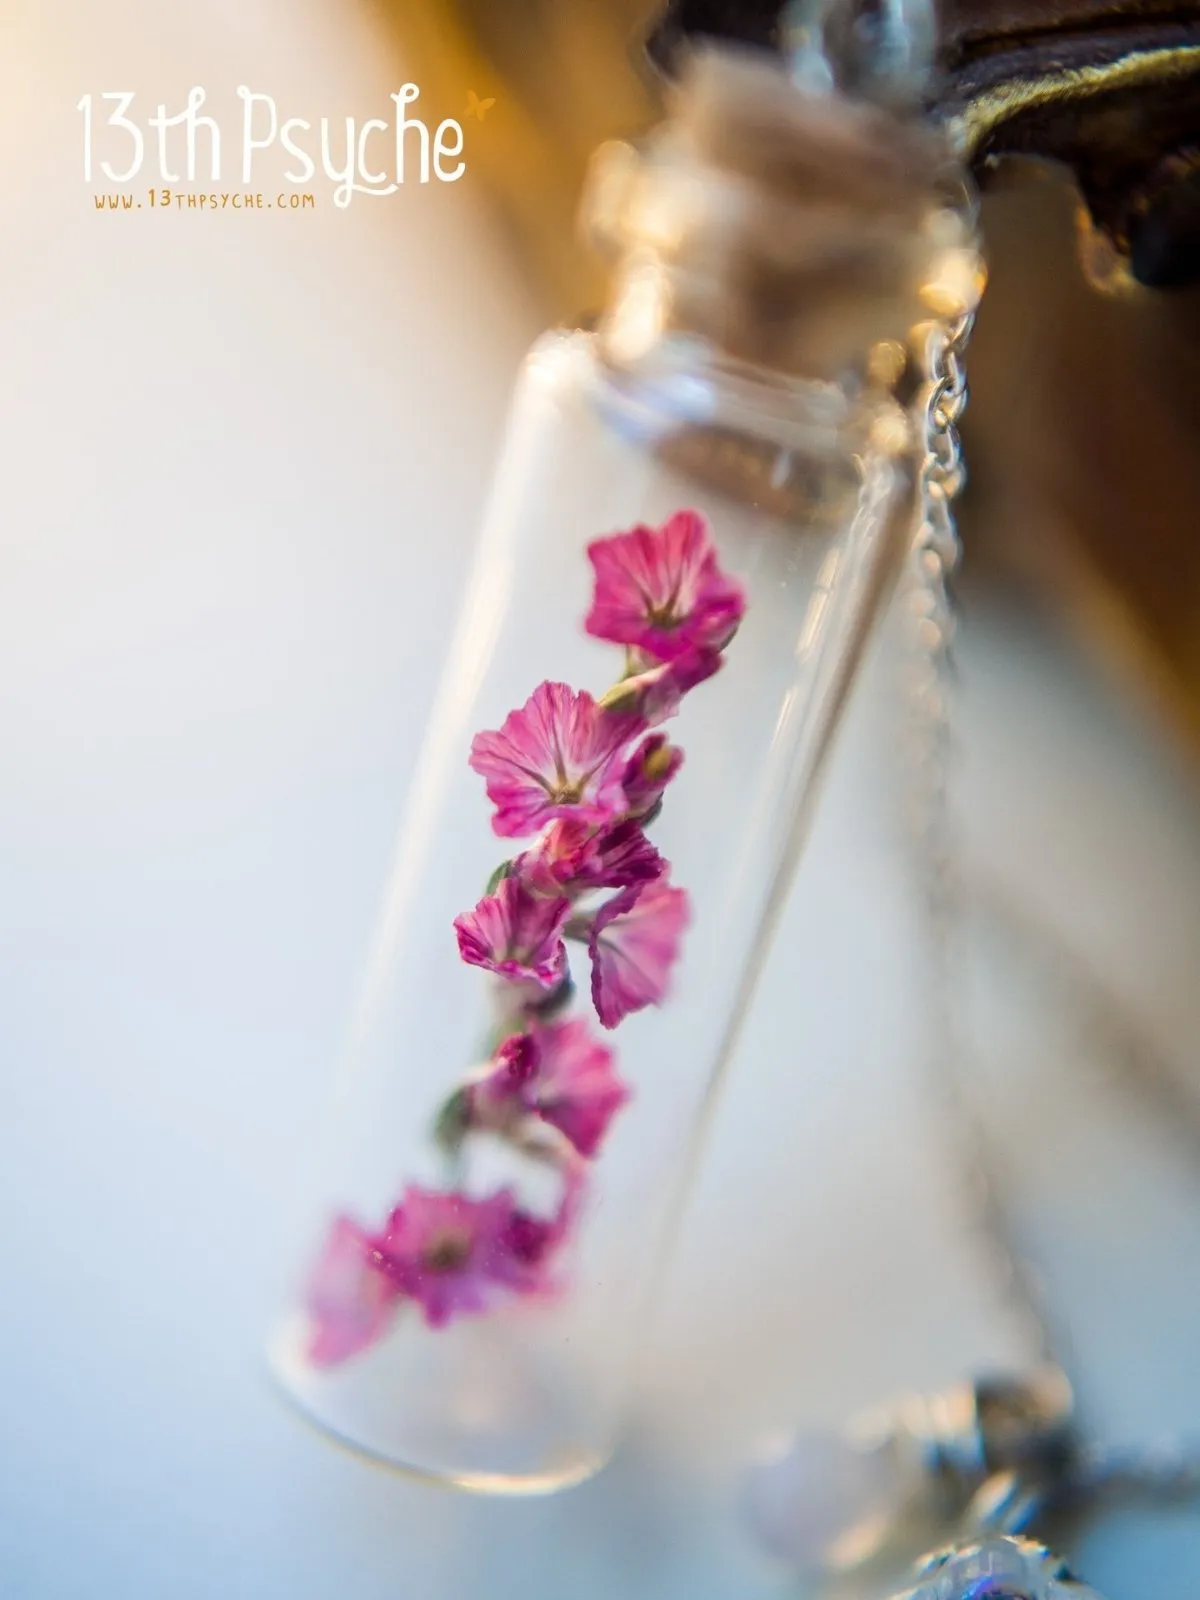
{"x": 697, "y": 514}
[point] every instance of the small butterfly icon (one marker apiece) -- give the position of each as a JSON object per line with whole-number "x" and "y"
{"x": 477, "y": 107}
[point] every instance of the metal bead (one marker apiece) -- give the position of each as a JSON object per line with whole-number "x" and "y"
{"x": 998, "y": 1569}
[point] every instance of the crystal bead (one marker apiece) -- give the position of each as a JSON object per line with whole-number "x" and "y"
{"x": 1000, "y": 1569}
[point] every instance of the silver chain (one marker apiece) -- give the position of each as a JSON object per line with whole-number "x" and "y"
{"x": 935, "y": 555}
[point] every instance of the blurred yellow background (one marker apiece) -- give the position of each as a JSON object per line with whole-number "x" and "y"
{"x": 565, "y": 75}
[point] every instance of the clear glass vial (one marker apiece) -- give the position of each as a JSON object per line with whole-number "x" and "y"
{"x": 696, "y": 514}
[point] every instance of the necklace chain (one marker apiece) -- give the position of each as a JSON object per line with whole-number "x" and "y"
{"x": 935, "y": 556}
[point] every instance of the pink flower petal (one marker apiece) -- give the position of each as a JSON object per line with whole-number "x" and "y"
{"x": 516, "y": 934}
{"x": 577, "y": 1090}
{"x": 559, "y": 1073}
{"x": 634, "y": 945}
{"x": 532, "y": 1245}
{"x": 573, "y": 857}
{"x": 441, "y": 1249}
{"x": 661, "y": 590}
{"x": 622, "y": 856}
{"x": 525, "y": 1249}
{"x": 351, "y": 1298}
{"x": 517, "y": 1063}
{"x": 453, "y": 1254}
{"x": 560, "y": 755}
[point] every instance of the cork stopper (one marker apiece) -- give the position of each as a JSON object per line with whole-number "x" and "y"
{"x": 791, "y": 231}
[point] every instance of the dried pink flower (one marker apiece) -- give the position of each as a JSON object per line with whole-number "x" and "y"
{"x": 559, "y": 1073}
{"x": 450, "y": 1253}
{"x": 577, "y": 1090}
{"x": 517, "y": 934}
{"x": 660, "y": 590}
{"x": 351, "y": 1296}
{"x": 634, "y": 944}
{"x": 560, "y": 755}
{"x": 572, "y": 857}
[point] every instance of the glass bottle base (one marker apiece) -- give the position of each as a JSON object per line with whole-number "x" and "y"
{"x": 455, "y": 1408}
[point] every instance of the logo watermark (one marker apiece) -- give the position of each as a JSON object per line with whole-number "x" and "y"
{"x": 377, "y": 157}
